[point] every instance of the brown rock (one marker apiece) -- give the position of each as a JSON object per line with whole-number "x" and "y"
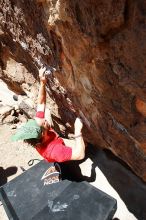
{"x": 141, "y": 107}
{"x": 98, "y": 48}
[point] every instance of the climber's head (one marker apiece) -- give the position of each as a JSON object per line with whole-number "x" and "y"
{"x": 30, "y": 130}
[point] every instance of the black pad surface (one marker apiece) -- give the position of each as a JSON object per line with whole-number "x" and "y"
{"x": 31, "y": 196}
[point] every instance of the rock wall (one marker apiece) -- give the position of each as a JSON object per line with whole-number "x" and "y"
{"x": 98, "y": 48}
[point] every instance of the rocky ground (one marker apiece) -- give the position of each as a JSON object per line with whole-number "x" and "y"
{"x": 112, "y": 176}
{"x": 14, "y": 156}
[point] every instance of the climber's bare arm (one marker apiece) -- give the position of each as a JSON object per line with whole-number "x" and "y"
{"x": 77, "y": 145}
{"x": 41, "y": 103}
{"x": 78, "y": 150}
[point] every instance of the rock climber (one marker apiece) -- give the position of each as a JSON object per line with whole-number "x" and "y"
{"x": 51, "y": 147}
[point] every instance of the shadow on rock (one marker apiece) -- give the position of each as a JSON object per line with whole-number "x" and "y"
{"x": 5, "y": 173}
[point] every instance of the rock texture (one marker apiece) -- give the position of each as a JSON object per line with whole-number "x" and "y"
{"x": 98, "y": 48}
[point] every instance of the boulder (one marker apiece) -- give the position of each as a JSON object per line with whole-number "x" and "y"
{"x": 5, "y": 111}
{"x": 10, "y": 119}
{"x": 98, "y": 48}
{"x": 27, "y": 109}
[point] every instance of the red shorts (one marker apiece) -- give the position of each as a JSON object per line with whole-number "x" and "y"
{"x": 53, "y": 149}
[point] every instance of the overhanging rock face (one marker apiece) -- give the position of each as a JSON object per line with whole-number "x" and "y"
{"x": 98, "y": 48}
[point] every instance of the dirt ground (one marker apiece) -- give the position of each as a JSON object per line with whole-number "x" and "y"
{"x": 112, "y": 176}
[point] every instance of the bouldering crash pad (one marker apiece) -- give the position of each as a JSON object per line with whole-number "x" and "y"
{"x": 39, "y": 193}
